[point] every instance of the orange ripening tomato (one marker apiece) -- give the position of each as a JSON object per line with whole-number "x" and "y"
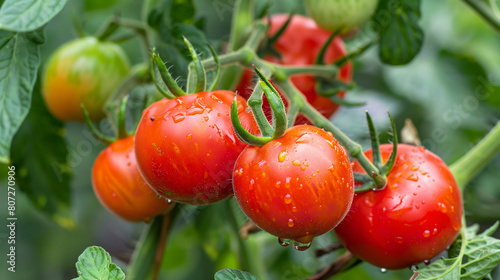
{"x": 120, "y": 187}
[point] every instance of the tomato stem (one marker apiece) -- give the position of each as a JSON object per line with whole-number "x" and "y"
{"x": 241, "y": 132}
{"x": 470, "y": 164}
{"x": 96, "y": 133}
{"x": 320, "y": 58}
{"x": 255, "y": 102}
{"x": 243, "y": 17}
{"x": 215, "y": 56}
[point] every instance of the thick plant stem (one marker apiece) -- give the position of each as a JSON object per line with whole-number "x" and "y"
{"x": 151, "y": 247}
{"x": 470, "y": 164}
{"x": 485, "y": 11}
{"x": 353, "y": 148}
{"x": 243, "y": 17}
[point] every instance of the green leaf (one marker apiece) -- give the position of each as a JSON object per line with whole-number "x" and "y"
{"x": 479, "y": 255}
{"x": 40, "y": 154}
{"x": 95, "y": 264}
{"x": 182, "y": 11}
{"x": 401, "y": 37}
{"x": 233, "y": 274}
{"x": 19, "y": 62}
{"x": 28, "y": 15}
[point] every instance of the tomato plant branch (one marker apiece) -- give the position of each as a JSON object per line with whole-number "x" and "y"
{"x": 485, "y": 11}
{"x": 243, "y": 16}
{"x": 344, "y": 262}
{"x": 470, "y": 164}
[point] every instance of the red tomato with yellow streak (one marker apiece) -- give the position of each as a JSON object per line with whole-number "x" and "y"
{"x": 120, "y": 187}
{"x": 299, "y": 45}
{"x": 297, "y": 186}
{"x": 416, "y": 217}
{"x": 186, "y": 147}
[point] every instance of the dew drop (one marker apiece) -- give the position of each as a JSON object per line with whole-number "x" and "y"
{"x": 427, "y": 262}
{"x": 414, "y": 168}
{"x": 450, "y": 188}
{"x": 413, "y": 177}
{"x": 294, "y": 209}
{"x": 178, "y": 118}
{"x": 426, "y": 233}
{"x": 434, "y": 231}
{"x": 283, "y": 241}
{"x": 423, "y": 172}
{"x": 288, "y": 200}
{"x": 252, "y": 181}
{"x": 296, "y": 162}
{"x": 189, "y": 136}
{"x": 301, "y": 246}
{"x": 278, "y": 184}
{"x": 287, "y": 182}
{"x": 291, "y": 223}
{"x": 330, "y": 143}
{"x": 282, "y": 155}
{"x": 152, "y": 118}
{"x": 383, "y": 270}
{"x": 442, "y": 207}
{"x": 205, "y": 118}
{"x": 303, "y": 168}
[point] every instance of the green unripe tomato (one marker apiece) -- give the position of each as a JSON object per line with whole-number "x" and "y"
{"x": 343, "y": 15}
{"x": 86, "y": 71}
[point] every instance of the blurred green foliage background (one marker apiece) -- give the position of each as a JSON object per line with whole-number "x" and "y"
{"x": 451, "y": 91}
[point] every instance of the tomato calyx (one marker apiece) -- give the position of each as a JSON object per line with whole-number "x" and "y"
{"x": 197, "y": 77}
{"x": 377, "y": 181}
{"x": 279, "y": 122}
{"x": 121, "y": 129}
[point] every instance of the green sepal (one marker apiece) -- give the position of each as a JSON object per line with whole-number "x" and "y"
{"x": 375, "y": 143}
{"x": 346, "y": 103}
{"x": 320, "y": 58}
{"x": 97, "y": 134}
{"x": 386, "y": 169}
{"x": 241, "y": 132}
{"x": 166, "y": 77}
{"x": 361, "y": 177}
{"x": 110, "y": 27}
{"x": 160, "y": 87}
{"x": 277, "y": 107}
{"x": 217, "y": 75}
{"x": 368, "y": 186}
{"x": 350, "y": 56}
{"x": 201, "y": 76}
{"x": 122, "y": 130}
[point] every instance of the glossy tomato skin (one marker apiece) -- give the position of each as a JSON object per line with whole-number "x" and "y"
{"x": 186, "y": 147}
{"x": 295, "y": 187}
{"x": 84, "y": 71}
{"x": 120, "y": 187}
{"x": 416, "y": 217}
{"x": 342, "y": 15}
{"x": 299, "y": 45}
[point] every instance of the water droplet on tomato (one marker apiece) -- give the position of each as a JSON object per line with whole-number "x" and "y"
{"x": 426, "y": 233}
{"x": 304, "y": 138}
{"x": 282, "y": 155}
{"x": 296, "y": 162}
{"x": 252, "y": 181}
{"x": 301, "y": 246}
{"x": 414, "y": 168}
{"x": 330, "y": 143}
{"x": 205, "y": 118}
{"x": 178, "y": 118}
{"x": 291, "y": 223}
{"x": 248, "y": 109}
{"x": 434, "y": 231}
{"x": 329, "y": 134}
{"x": 421, "y": 148}
{"x": 413, "y": 177}
{"x": 218, "y": 114}
{"x": 288, "y": 198}
{"x": 194, "y": 110}
{"x": 384, "y": 209}
{"x": 287, "y": 182}
{"x": 383, "y": 270}
{"x": 423, "y": 172}
{"x": 278, "y": 184}
{"x": 398, "y": 239}
{"x": 283, "y": 241}
{"x": 427, "y": 262}
{"x": 423, "y": 201}
{"x": 450, "y": 188}
{"x": 294, "y": 209}
{"x": 303, "y": 168}
{"x": 189, "y": 136}
{"x": 417, "y": 206}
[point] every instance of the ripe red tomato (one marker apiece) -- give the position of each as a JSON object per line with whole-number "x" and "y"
{"x": 186, "y": 147}
{"x": 295, "y": 187}
{"x": 121, "y": 188}
{"x": 299, "y": 45}
{"x": 84, "y": 71}
{"x": 416, "y": 217}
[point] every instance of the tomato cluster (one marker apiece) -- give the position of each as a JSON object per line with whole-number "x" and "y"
{"x": 296, "y": 186}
